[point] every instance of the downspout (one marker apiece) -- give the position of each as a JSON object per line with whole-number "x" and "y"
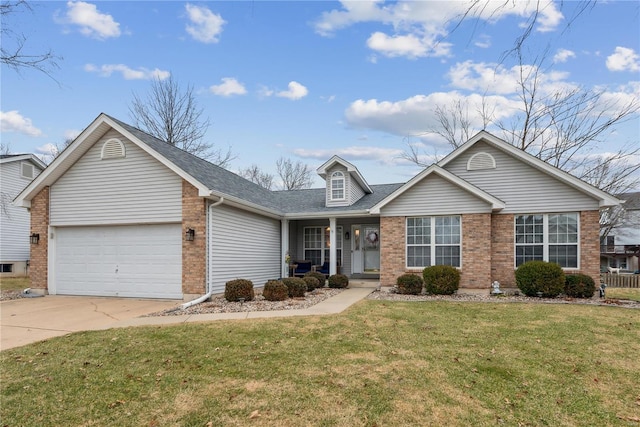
{"x": 206, "y": 296}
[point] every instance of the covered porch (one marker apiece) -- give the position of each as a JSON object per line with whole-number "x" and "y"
{"x": 342, "y": 245}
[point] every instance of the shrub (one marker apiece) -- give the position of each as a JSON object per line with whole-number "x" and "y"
{"x": 296, "y": 286}
{"x": 441, "y": 279}
{"x": 239, "y": 288}
{"x": 321, "y": 277}
{"x": 338, "y": 281}
{"x": 579, "y": 286}
{"x": 542, "y": 278}
{"x": 275, "y": 290}
{"x": 410, "y": 284}
{"x": 311, "y": 282}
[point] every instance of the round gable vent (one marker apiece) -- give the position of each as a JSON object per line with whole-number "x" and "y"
{"x": 113, "y": 149}
{"x": 481, "y": 161}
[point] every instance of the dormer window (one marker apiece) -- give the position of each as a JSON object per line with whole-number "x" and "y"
{"x": 337, "y": 186}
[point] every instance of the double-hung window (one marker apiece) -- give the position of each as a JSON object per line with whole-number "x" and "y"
{"x": 433, "y": 240}
{"x": 547, "y": 237}
{"x": 337, "y": 186}
{"x": 317, "y": 244}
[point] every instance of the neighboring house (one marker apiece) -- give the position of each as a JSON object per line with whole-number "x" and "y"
{"x": 16, "y": 172}
{"x": 621, "y": 248}
{"x": 121, "y": 213}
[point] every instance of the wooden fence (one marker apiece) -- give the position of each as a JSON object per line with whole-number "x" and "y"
{"x": 621, "y": 280}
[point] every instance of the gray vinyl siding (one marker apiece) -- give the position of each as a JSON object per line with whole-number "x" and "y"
{"x": 242, "y": 245}
{"x": 14, "y": 220}
{"x": 352, "y": 190}
{"x": 435, "y": 195}
{"x": 129, "y": 190}
{"x": 522, "y": 187}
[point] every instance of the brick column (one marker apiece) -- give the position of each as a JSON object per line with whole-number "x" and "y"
{"x": 476, "y": 251}
{"x": 194, "y": 215}
{"x": 392, "y": 249}
{"x": 590, "y": 244}
{"x": 39, "y": 259}
{"x": 502, "y": 250}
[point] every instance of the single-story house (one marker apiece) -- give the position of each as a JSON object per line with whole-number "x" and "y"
{"x": 16, "y": 172}
{"x": 620, "y": 249}
{"x": 121, "y": 213}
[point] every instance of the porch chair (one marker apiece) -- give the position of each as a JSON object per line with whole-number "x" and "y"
{"x": 302, "y": 268}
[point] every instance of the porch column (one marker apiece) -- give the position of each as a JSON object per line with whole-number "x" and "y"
{"x": 333, "y": 241}
{"x": 284, "y": 247}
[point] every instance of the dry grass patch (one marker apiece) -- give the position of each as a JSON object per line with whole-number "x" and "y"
{"x": 380, "y": 363}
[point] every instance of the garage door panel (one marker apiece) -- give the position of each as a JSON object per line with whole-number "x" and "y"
{"x": 127, "y": 261}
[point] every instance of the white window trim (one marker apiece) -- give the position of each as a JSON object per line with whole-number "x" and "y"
{"x": 545, "y": 238}
{"x": 433, "y": 244}
{"x": 323, "y": 243}
{"x": 342, "y": 178}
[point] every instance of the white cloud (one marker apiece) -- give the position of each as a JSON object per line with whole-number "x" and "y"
{"x": 419, "y": 27}
{"x": 483, "y": 42}
{"x": 496, "y": 79}
{"x": 71, "y": 134}
{"x": 623, "y": 59}
{"x": 128, "y": 73}
{"x": 379, "y": 154}
{"x": 229, "y": 87}
{"x": 13, "y": 121}
{"x": 296, "y": 91}
{"x": 562, "y": 55}
{"x": 91, "y": 21}
{"x": 205, "y": 26}
{"x": 415, "y": 116}
{"x": 47, "y": 149}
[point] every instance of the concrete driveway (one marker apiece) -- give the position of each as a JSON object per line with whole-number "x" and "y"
{"x": 27, "y": 320}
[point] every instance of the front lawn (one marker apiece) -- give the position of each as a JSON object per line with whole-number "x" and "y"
{"x": 14, "y": 283}
{"x": 632, "y": 294}
{"x": 380, "y": 363}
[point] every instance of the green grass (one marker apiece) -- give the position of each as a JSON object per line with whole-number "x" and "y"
{"x": 14, "y": 283}
{"x": 378, "y": 364}
{"x": 632, "y": 294}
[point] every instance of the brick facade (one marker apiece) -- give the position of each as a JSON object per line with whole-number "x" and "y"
{"x": 392, "y": 249}
{"x": 476, "y": 251}
{"x": 38, "y": 267}
{"x": 502, "y": 250}
{"x": 194, "y": 257}
{"x": 590, "y": 244}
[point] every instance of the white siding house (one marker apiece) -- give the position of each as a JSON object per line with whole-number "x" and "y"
{"x": 16, "y": 172}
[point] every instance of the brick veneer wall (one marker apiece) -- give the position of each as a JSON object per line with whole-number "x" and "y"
{"x": 194, "y": 215}
{"x": 476, "y": 251}
{"x": 38, "y": 264}
{"x": 590, "y": 244}
{"x": 502, "y": 250}
{"x": 392, "y": 249}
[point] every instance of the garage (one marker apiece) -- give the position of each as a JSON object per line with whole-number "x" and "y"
{"x": 141, "y": 261}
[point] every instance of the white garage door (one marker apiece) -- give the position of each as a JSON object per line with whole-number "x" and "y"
{"x": 142, "y": 261}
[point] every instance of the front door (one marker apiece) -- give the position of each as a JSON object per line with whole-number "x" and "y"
{"x": 365, "y": 249}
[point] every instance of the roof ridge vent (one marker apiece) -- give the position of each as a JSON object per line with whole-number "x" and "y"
{"x": 113, "y": 149}
{"x": 480, "y": 161}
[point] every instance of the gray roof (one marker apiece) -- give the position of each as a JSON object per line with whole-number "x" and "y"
{"x": 632, "y": 200}
{"x": 228, "y": 183}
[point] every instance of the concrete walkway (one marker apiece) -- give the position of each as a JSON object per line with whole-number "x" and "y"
{"x": 333, "y": 305}
{"x": 28, "y": 320}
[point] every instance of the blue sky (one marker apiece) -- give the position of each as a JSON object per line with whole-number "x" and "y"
{"x": 307, "y": 80}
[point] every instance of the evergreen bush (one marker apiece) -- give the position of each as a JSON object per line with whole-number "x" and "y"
{"x": 441, "y": 279}
{"x": 239, "y": 288}
{"x": 540, "y": 278}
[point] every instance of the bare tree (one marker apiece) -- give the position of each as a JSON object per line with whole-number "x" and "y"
{"x": 171, "y": 114}
{"x": 13, "y": 49}
{"x": 54, "y": 151}
{"x": 295, "y": 176}
{"x": 255, "y": 175}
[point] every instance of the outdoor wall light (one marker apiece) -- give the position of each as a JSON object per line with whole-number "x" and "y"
{"x": 346, "y": 235}
{"x": 35, "y": 238}
{"x": 190, "y": 234}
